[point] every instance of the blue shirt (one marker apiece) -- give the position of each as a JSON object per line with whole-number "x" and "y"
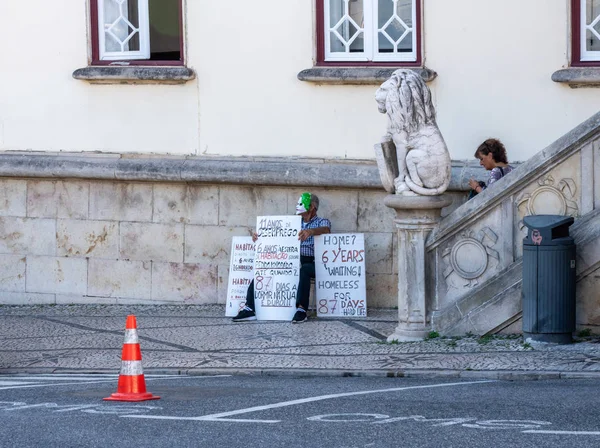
{"x": 307, "y": 247}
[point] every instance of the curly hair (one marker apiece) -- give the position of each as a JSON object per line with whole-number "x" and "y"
{"x": 494, "y": 146}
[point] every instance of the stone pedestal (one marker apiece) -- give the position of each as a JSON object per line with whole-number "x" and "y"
{"x": 416, "y": 216}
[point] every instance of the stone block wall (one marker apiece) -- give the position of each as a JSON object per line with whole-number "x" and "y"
{"x": 102, "y": 241}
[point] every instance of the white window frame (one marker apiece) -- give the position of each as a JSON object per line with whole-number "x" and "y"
{"x": 143, "y": 31}
{"x": 370, "y": 33}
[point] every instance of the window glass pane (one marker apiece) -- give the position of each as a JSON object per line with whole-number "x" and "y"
{"x": 592, "y": 22}
{"x": 357, "y": 14}
{"x": 121, "y": 25}
{"x": 165, "y": 31}
{"x": 337, "y": 9}
{"x": 346, "y": 23}
{"x": 394, "y": 24}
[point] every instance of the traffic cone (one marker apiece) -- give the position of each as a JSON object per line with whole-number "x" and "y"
{"x": 132, "y": 384}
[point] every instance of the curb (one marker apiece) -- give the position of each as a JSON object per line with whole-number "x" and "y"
{"x": 503, "y": 375}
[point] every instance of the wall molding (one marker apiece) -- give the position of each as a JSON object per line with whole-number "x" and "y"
{"x": 266, "y": 171}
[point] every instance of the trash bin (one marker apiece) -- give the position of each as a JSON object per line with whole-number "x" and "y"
{"x": 548, "y": 279}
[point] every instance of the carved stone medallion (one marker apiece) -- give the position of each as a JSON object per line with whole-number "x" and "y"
{"x": 550, "y": 198}
{"x": 468, "y": 258}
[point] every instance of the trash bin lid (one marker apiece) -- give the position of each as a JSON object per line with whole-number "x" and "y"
{"x": 547, "y": 222}
{"x": 548, "y": 230}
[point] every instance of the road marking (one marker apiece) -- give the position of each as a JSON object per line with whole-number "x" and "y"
{"x": 506, "y": 424}
{"x": 219, "y": 416}
{"x": 97, "y": 408}
{"x": 72, "y": 377}
{"x": 11, "y": 383}
{"x": 27, "y": 385}
{"x": 566, "y": 433}
{"x": 20, "y": 379}
{"x": 347, "y": 417}
{"x": 421, "y": 419}
{"x": 480, "y": 424}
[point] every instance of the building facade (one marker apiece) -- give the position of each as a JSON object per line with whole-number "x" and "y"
{"x": 138, "y": 136}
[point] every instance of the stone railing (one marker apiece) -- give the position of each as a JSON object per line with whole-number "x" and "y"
{"x": 475, "y": 252}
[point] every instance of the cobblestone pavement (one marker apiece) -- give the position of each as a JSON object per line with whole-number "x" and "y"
{"x": 199, "y": 339}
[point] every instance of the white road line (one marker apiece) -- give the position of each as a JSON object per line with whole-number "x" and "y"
{"x": 29, "y": 386}
{"x": 219, "y": 417}
{"x": 12, "y": 383}
{"x": 78, "y": 377}
{"x": 111, "y": 380}
{"x": 566, "y": 433}
{"x": 62, "y": 378}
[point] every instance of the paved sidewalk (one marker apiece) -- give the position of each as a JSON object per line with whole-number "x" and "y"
{"x": 200, "y": 340}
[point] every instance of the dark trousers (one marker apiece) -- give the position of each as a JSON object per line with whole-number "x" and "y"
{"x": 307, "y": 272}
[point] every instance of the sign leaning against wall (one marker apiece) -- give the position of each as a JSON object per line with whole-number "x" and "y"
{"x": 241, "y": 273}
{"x": 340, "y": 283}
{"x": 276, "y": 267}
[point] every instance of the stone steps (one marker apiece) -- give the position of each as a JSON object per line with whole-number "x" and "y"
{"x": 495, "y": 306}
{"x": 475, "y": 253}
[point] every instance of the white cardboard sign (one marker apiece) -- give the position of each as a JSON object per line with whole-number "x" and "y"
{"x": 241, "y": 273}
{"x": 276, "y": 267}
{"x": 340, "y": 275}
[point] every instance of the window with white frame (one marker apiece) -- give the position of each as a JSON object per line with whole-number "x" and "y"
{"x": 590, "y": 30}
{"x": 137, "y": 30}
{"x": 369, "y": 30}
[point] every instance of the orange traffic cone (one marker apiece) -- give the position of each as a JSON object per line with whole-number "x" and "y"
{"x": 132, "y": 384}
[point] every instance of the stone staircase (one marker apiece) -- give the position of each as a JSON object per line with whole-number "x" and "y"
{"x": 475, "y": 254}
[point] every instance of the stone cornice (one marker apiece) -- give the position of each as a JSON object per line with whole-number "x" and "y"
{"x": 332, "y": 173}
{"x": 134, "y": 74}
{"x": 577, "y": 77}
{"x": 357, "y": 75}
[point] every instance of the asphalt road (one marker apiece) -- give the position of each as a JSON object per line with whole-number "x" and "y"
{"x": 253, "y": 411}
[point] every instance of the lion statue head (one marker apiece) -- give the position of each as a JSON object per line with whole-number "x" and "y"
{"x": 406, "y": 100}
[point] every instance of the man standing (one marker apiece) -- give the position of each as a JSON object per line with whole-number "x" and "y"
{"x": 312, "y": 225}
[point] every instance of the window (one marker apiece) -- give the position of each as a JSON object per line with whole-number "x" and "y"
{"x": 586, "y": 32}
{"x": 368, "y": 32}
{"x": 139, "y": 32}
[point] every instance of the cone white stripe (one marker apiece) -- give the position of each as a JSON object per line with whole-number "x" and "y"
{"x": 131, "y": 337}
{"x": 131, "y": 368}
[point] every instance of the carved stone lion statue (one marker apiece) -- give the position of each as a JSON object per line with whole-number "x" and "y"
{"x": 413, "y": 158}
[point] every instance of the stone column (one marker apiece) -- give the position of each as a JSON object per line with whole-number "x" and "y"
{"x": 416, "y": 216}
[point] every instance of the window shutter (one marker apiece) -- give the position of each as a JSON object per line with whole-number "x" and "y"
{"x": 123, "y": 29}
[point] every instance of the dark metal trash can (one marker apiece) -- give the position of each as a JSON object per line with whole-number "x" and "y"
{"x": 548, "y": 279}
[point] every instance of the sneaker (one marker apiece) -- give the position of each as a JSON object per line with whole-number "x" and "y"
{"x": 300, "y": 316}
{"x": 245, "y": 314}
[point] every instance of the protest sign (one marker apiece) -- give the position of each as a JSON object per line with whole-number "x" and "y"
{"x": 241, "y": 273}
{"x": 340, "y": 275}
{"x": 276, "y": 267}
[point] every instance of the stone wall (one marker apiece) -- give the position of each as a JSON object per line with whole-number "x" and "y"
{"x": 109, "y": 228}
{"x": 88, "y": 241}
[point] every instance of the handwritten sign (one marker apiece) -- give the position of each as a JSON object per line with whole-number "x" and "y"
{"x": 241, "y": 273}
{"x": 340, "y": 275}
{"x": 276, "y": 267}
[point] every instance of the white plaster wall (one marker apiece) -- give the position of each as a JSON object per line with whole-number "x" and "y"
{"x": 251, "y": 101}
{"x": 494, "y": 60}
{"x": 42, "y": 108}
